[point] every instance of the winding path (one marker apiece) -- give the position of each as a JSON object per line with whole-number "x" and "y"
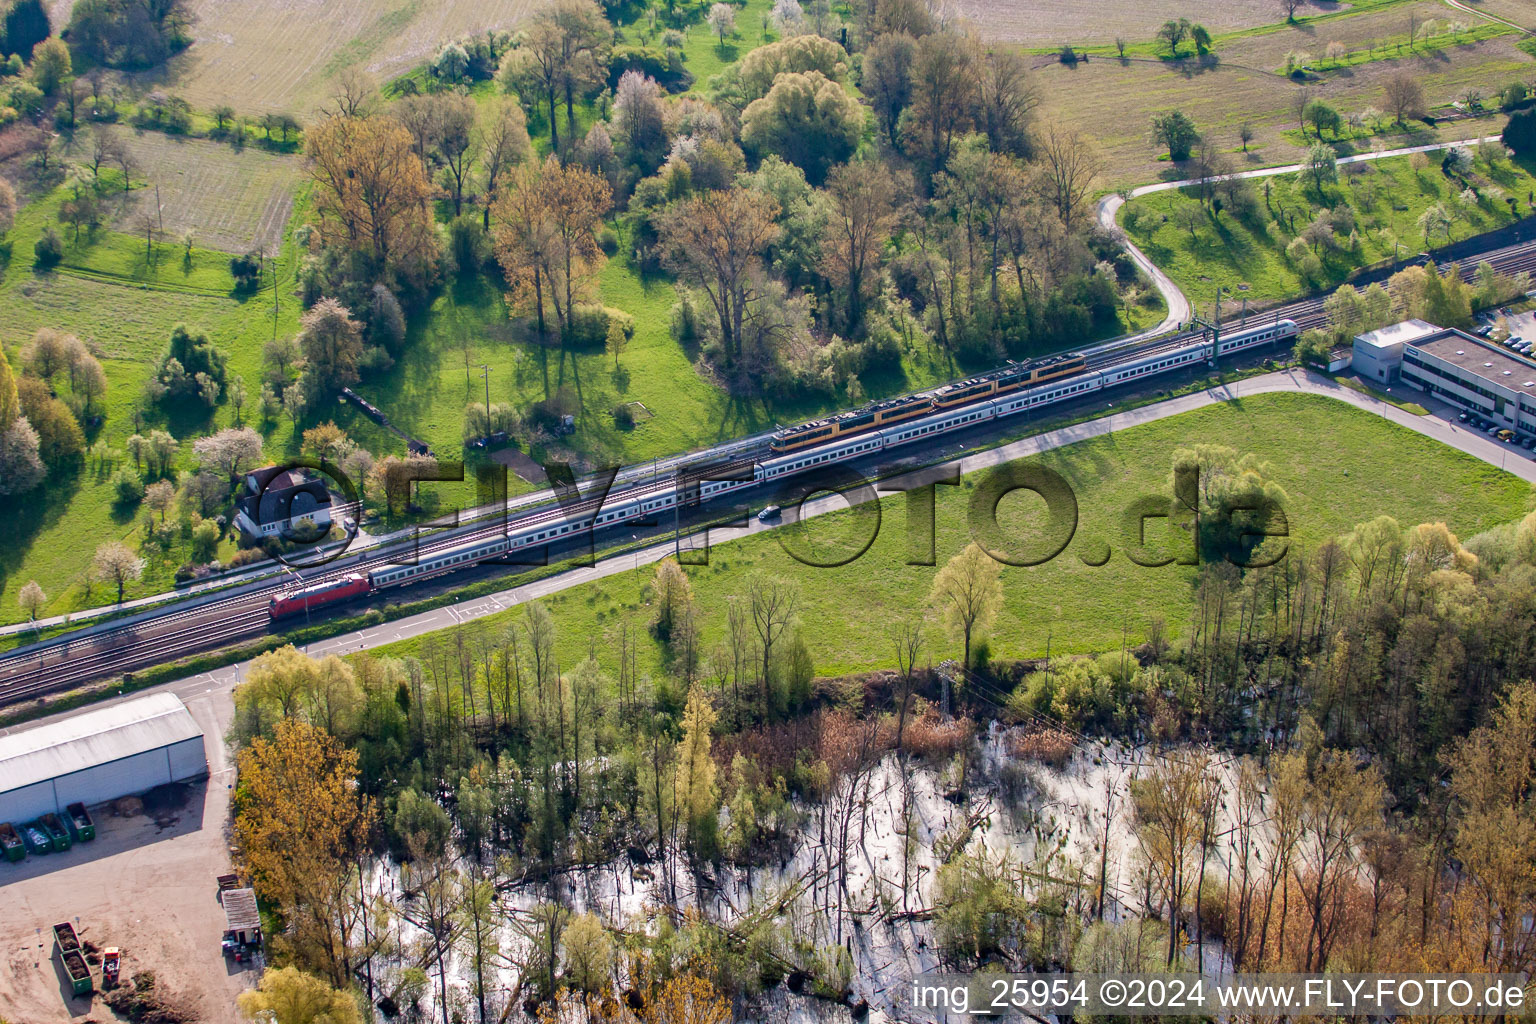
{"x": 1179, "y": 309}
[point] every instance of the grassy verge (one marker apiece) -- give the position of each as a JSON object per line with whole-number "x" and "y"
{"x": 1355, "y": 384}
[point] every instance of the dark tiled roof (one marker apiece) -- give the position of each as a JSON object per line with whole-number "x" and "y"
{"x": 279, "y": 504}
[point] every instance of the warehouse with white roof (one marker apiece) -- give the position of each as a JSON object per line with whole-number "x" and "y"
{"x": 123, "y": 749}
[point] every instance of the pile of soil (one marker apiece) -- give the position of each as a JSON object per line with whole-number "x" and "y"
{"x": 141, "y": 1002}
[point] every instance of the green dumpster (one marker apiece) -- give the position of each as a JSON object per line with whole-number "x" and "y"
{"x": 56, "y": 831}
{"x": 81, "y": 827}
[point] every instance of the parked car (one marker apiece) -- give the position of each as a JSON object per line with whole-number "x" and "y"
{"x": 1463, "y": 417}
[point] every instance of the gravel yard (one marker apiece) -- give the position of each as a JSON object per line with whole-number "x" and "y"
{"x": 145, "y": 884}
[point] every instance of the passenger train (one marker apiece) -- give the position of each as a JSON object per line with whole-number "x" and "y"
{"x": 991, "y": 396}
{"x": 894, "y": 410}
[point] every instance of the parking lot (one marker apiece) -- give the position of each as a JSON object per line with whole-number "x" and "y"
{"x": 1520, "y": 341}
{"x": 146, "y": 883}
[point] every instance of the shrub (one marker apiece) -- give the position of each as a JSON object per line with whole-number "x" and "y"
{"x": 205, "y": 540}
{"x": 650, "y": 61}
{"x": 48, "y": 249}
{"x": 1520, "y": 133}
{"x": 245, "y": 556}
{"x": 685, "y": 319}
{"x": 588, "y": 326}
{"x": 247, "y": 271}
{"x": 467, "y": 244}
{"x": 127, "y": 486}
{"x": 929, "y": 737}
{"x": 623, "y": 417}
{"x": 1048, "y": 746}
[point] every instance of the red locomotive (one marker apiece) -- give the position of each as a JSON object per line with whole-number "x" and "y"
{"x": 319, "y": 595}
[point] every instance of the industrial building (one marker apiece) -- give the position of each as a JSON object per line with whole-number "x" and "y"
{"x": 1378, "y": 355}
{"x": 1467, "y": 372}
{"x": 119, "y": 750}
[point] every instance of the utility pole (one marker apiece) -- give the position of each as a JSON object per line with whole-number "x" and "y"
{"x": 274, "y": 297}
{"x": 485, "y": 372}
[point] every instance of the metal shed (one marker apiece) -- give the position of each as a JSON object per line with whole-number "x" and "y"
{"x": 100, "y": 755}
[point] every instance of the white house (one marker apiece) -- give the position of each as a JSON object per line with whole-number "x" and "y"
{"x": 278, "y": 500}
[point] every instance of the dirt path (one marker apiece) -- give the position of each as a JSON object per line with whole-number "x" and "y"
{"x": 1491, "y": 17}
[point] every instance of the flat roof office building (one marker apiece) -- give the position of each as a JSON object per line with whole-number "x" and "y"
{"x": 1462, "y": 370}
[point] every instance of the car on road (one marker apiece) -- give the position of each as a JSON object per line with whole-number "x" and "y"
{"x": 769, "y": 514}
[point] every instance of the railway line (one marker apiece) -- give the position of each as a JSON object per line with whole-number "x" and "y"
{"x": 178, "y": 632}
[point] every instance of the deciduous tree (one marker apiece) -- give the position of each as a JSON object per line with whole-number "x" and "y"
{"x": 31, "y": 599}
{"x": 372, "y": 190}
{"x": 1067, "y": 167}
{"x": 859, "y": 222}
{"x": 332, "y": 342}
{"x": 286, "y": 995}
{"x": 301, "y": 823}
{"x": 716, "y": 240}
{"x": 546, "y": 240}
{"x": 1404, "y": 96}
{"x": 115, "y": 563}
{"x": 504, "y": 143}
{"x": 230, "y": 451}
{"x": 967, "y": 594}
{"x": 807, "y": 119}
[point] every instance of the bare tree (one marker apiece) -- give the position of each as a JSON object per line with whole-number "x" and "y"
{"x": 1069, "y": 166}
{"x": 355, "y": 94}
{"x": 773, "y": 603}
{"x": 1404, "y": 97}
{"x": 907, "y": 637}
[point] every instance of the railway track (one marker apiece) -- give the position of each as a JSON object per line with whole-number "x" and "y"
{"x": 69, "y": 661}
{"x": 1308, "y": 313}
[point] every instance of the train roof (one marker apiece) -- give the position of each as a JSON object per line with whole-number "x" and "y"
{"x": 1013, "y": 367}
{"x": 863, "y": 410}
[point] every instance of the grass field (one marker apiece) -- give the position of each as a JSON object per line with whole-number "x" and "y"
{"x": 1327, "y": 456}
{"x": 1113, "y": 101}
{"x": 1248, "y": 258}
{"x": 282, "y": 55}
{"x": 234, "y": 201}
{"x": 111, "y": 297}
